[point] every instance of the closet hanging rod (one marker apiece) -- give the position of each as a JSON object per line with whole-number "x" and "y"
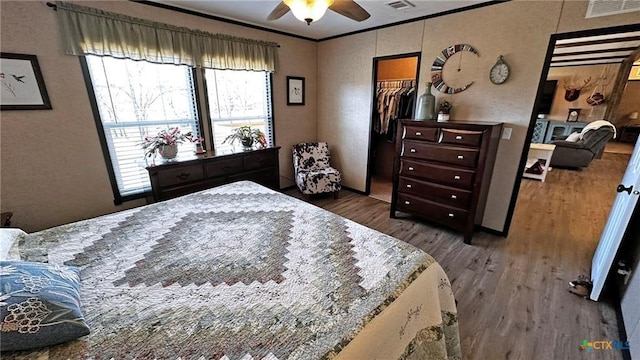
{"x": 413, "y": 79}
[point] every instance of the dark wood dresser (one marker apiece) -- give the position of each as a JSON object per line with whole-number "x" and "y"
{"x": 183, "y": 176}
{"x": 442, "y": 171}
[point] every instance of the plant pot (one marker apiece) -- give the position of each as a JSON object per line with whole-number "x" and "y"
{"x": 168, "y": 151}
{"x": 442, "y": 117}
{"x": 247, "y": 144}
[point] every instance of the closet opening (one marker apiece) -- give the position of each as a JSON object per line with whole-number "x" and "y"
{"x": 394, "y": 98}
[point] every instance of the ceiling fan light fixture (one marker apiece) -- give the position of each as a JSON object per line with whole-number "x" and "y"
{"x": 308, "y": 10}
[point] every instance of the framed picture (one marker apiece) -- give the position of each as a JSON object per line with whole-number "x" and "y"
{"x": 573, "y": 115}
{"x": 295, "y": 90}
{"x": 22, "y": 86}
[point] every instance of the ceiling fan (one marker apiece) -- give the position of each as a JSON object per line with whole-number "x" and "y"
{"x": 312, "y": 10}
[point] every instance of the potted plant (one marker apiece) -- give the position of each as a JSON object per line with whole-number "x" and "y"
{"x": 165, "y": 142}
{"x": 247, "y": 136}
{"x": 444, "y": 108}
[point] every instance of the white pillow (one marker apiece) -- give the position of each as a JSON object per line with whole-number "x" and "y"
{"x": 573, "y": 137}
{"x": 8, "y": 236}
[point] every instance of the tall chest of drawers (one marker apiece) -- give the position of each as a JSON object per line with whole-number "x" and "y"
{"x": 442, "y": 171}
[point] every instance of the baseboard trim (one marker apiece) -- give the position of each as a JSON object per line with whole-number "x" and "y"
{"x": 491, "y": 231}
{"x": 355, "y": 191}
{"x": 287, "y": 188}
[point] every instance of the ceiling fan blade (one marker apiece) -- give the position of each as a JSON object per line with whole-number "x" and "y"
{"x": 350, "y": 9}
{"x": 278, "y": 12}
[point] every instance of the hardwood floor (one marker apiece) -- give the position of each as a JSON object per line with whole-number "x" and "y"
{"x": 512, "y": 293}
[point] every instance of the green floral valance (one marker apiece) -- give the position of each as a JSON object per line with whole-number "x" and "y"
{"x": 89, "y": 31}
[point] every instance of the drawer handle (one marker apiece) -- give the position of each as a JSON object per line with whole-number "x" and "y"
{"x": 451, "y": 215}
{"x": 460, "y": 157}
{"x": 410, "y": 168}
{"x": 412, "y": 150}
{"x": 407, "y": 203}
{"x": 453, "y": 196}
{"x": 418, "y": 133}
{"x": 456, "y": 177}
{"x": 409, "y": 186}
{"x": 459, "y": 137}
{"x": 183, "y": 176}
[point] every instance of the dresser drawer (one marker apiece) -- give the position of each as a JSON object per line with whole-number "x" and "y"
{"x": 223, "y": 167}
{"x": 267, "y": 177}
{"x": 169, "y": 193}
{"x": 441, "y": 194}
{"x": 460, "y": 137}
{"x": 420, "y": 133}
{"x": 260, "y": 160}
{"x": 460, "y": 178}
{"x": 446, "y": 215}
{"x": 180, "y": 175}
{"x": 458, "y": 156}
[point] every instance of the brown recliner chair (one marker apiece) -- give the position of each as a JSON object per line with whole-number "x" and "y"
{"x": 569, "y": 154}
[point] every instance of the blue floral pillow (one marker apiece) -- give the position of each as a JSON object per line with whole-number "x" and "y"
{"x": 39, "y": 305}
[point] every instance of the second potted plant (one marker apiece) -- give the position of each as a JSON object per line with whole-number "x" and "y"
{"x": 247, "y": 136}
{"x": 443, "y": 110}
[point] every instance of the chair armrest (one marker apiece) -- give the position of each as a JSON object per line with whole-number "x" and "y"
{"x": 568, "y": 144}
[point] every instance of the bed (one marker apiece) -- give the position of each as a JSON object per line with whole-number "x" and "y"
{"x": 243, "y": 272}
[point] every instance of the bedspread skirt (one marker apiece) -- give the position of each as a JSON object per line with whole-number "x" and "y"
{"x": 243, "y": 272}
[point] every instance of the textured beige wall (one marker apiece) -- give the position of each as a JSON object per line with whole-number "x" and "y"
{"x": 519, "y": 30}
{"x": 345, "y": 102}
{"x": 52, "y": 167}
{"x": 577, "y": 74}
{"x": 345, "y": 73}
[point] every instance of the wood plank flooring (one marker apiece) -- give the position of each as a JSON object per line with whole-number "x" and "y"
{"x": 512, "y": 293}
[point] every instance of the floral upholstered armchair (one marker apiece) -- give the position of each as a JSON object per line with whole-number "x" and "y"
{"x": 313, "y": 172}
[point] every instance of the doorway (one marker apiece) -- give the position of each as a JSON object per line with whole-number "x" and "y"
{"x": 573, "y": 206}
{"x": 595, "y": 37}
{"x": 394, "y": 98}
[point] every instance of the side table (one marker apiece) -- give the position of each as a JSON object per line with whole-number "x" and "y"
{"x": 539, "y": 153}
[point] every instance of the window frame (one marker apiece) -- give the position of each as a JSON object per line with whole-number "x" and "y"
{"x": 202, "y": 105}
{"x": 119, "y": 199}
{"x": 207, "y": 110}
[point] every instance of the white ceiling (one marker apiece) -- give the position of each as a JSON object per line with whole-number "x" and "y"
{"x": 331, "y": 24}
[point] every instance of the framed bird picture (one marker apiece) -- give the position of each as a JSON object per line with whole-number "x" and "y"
{"x": 295, "y": 90}
{"x": 21, "y": 83}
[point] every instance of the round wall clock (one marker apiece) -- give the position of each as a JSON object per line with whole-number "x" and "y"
{"x": 438, "y": 64}
{"x": 499, "y": 73}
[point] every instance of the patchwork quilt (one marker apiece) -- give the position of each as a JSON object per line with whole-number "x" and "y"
{"x": 243, "y": 272}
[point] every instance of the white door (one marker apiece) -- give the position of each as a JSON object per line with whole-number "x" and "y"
{"x": 623, "y": 206}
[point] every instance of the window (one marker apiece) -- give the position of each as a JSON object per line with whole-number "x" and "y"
{"x": 238, "y": 98}
{"x": 134, "y": 99}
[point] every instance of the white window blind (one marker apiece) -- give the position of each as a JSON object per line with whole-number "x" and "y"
{"x": 136, "y": 99}
{"x": 238, "y": 98}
